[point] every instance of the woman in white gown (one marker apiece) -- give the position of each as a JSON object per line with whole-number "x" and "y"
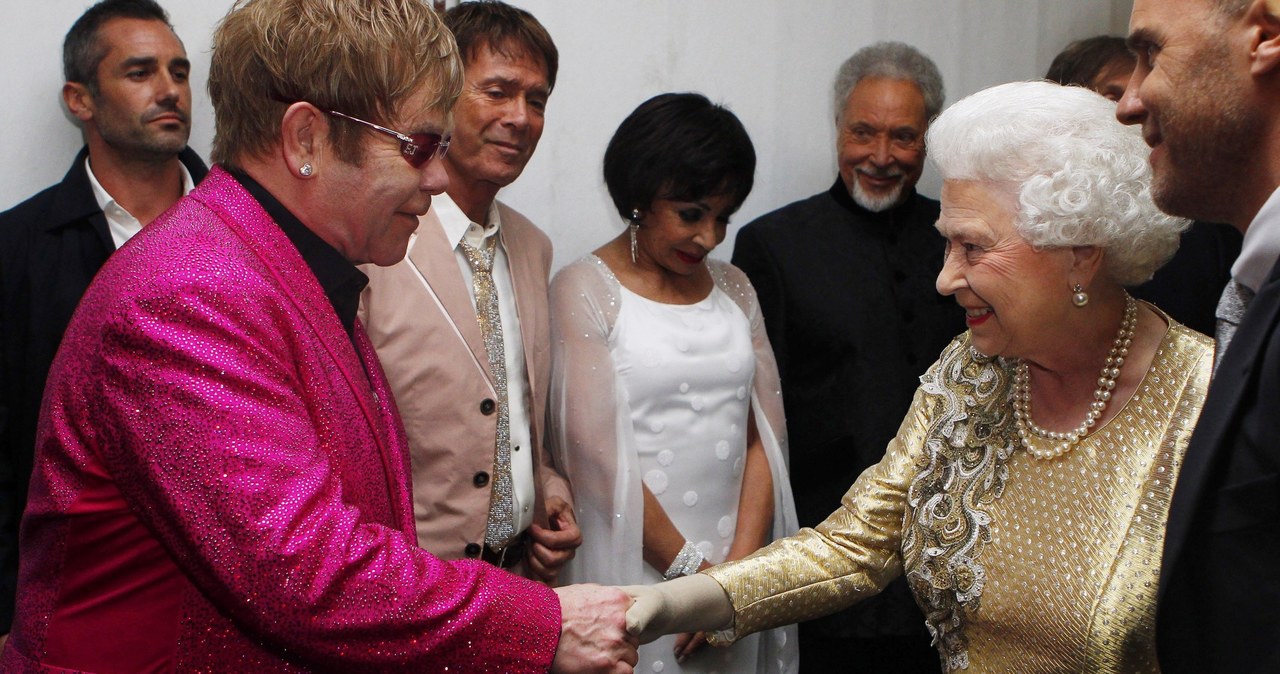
{"x": 665, "y": 406}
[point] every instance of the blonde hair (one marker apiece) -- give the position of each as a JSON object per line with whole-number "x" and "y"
{"x": 363, "y": 58}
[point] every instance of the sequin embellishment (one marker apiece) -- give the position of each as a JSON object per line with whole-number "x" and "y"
{"x": 964, "y": 469}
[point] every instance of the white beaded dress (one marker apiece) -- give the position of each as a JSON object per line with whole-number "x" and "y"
{"x": 661, "y": 393}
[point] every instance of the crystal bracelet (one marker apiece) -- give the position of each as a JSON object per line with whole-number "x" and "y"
{"x": 686, "y": 562}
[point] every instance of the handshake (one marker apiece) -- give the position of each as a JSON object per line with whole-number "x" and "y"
{"x": 600, "y": 627}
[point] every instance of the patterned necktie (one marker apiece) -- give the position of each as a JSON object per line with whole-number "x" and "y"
{"x": 1231, "y": 307}
{"x": 501, "y": 528}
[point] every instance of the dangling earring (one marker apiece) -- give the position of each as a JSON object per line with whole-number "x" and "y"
{"x": 633, "y": 228}
{"x": 305, "y": 170}
{"x": 1079, "y": 297}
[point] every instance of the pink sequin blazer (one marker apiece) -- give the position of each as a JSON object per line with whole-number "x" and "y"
{"x": 221, "y": 481}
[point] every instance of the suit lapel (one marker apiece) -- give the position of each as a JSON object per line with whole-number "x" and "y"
{"x": 433, "y": 256}
{"x": 244, "y": 216}
{"x": 523, "y": 278}
{"x": 528, "y": 284}
{"x": 395, "y": 454}
{"x": 1220, "y": 416}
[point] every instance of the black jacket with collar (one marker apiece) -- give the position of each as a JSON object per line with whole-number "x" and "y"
{"x": 1219, "y": 592}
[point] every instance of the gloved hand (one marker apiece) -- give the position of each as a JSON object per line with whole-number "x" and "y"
{"x": 694, "y": 603}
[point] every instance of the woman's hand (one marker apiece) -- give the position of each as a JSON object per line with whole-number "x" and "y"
{"x": 689, "y": 604}
{"x": 688, "y": 643}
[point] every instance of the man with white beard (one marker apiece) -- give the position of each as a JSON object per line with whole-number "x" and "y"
{"x": 846, "y": 285}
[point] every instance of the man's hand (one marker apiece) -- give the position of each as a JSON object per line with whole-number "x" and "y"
{"x": 551, "y": 548}
{"x": 593, "y": 631}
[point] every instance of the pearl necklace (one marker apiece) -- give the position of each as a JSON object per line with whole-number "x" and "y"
{"x": 1063, "y": 442}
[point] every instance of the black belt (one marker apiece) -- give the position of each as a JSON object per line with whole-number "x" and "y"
{"x": 509, "y": 556}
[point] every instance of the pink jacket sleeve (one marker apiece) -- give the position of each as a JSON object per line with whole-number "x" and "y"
{"x": 245, "y": 435}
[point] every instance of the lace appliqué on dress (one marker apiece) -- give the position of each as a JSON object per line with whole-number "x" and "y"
{"x": 962, "y": 471}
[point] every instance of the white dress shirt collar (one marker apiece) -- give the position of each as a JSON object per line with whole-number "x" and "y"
{"x": 457, "y": 226}
{"x": 1261, "y": 247}
{"x": 121, "y": 222}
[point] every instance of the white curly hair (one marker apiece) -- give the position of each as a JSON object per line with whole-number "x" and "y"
{"x": 1081, "y": 178}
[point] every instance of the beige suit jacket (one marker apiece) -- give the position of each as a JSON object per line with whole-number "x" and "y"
{"x": 430, "y": 345}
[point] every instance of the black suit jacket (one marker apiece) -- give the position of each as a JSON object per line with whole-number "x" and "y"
{"x": 51, "y": 246}
{"x": 1219, "y": 596}
{"x": 850, "y": 303}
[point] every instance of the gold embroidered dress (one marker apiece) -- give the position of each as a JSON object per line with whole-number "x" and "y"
{"x": 1020, "y": 564}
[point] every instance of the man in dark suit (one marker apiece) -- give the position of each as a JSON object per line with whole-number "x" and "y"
{"x": 846, "y": 285}
{"x": 1206, "y": 91}
{"x": 126, "y": 82}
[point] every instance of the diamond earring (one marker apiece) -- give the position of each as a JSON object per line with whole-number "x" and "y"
{"x": 632, "y": 229}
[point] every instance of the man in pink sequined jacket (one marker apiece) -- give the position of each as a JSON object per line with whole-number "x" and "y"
{"x": 221, "y": 474}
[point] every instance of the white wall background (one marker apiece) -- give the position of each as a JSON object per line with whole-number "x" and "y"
{"x": 770, "y": 61}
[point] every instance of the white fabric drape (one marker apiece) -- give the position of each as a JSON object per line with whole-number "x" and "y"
{"x": 590, "y": 429}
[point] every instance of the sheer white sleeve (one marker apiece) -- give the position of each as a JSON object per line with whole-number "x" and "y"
{"x": 589, "y": 427}
{"x": 766, "y": 395}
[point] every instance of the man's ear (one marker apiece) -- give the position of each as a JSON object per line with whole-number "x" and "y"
{"x": 1263, "y": 20}
{"x": 79, "y": 100}
{"x": 303, "y": 129}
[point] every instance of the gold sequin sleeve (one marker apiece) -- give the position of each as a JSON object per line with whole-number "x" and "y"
{"x": 851, "y": 555}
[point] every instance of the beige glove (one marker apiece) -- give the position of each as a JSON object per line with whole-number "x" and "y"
{"x": 694, "y": 603}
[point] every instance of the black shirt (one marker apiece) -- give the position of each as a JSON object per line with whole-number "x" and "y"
{"x": 341, "y": 281}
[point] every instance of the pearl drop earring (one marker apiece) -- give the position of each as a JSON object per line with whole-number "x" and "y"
{"x": 1079, "y": 297}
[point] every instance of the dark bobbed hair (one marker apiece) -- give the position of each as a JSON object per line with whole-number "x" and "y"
{"x": 505, "y": 29}
{"x": 81, "y": 50}
{"x": 1081, "y": 62}
{"x": 678, "y": 146}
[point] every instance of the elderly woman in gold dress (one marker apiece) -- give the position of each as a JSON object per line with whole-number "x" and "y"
{"x": 1026, "y": 492}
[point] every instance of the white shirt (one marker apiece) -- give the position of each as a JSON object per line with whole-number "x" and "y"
{"x": 120, "y": 222}
{"x": 1261, "y": 246}
{"x": 457, "y": 228}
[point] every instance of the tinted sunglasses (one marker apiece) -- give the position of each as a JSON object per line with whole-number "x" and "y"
{"x": 417, "y": 148}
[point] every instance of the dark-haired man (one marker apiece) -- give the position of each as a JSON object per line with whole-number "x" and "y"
{"x": 1206, "y": 91}
{"x": 470, "y": 375}
{"x": 127, "y": 83}
{"x": 846, "y": 286}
